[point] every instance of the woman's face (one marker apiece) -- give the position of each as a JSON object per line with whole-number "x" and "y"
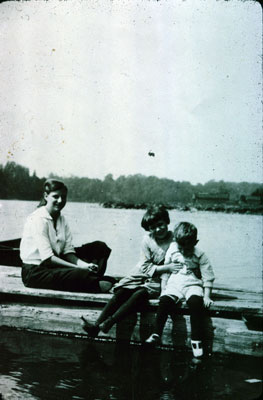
{"x": 56, "y": 200}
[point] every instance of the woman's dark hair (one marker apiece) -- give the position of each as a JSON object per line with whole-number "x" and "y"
{"x": 51, "y": 185}
{"x": 185, "y": 233}
{"x": 153, "y": 215}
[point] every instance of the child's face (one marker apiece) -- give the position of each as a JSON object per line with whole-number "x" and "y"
{"x": 187, "y": 248}
{"x": 159, "y": 229}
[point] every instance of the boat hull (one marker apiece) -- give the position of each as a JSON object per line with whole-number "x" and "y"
{"x": 9, "y": 253}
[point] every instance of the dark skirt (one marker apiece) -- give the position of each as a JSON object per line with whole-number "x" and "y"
{"x": 72, "y": 279}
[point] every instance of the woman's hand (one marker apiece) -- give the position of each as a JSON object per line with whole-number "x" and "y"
{"x": 92, "y": 267}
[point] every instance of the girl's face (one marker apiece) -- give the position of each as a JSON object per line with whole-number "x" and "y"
{"x": 159, "y": 229}
{"x": 56, "y": 200}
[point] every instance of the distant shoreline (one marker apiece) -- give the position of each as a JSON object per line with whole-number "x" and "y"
{"x": 226, "y": 208}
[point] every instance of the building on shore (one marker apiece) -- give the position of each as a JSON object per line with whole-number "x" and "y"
{"x": 210, "y": 198}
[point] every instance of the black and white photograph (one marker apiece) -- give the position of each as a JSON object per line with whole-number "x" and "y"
{"x": 131, "y": 200}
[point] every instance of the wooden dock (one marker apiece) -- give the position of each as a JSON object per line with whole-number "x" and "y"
{"x": 233, "y": 323}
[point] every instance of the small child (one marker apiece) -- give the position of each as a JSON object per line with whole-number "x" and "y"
{"x": 192, "y": 280}
{"x": 134, "y": 290}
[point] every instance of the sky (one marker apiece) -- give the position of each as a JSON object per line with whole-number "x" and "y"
{"x": 88, "y": 88}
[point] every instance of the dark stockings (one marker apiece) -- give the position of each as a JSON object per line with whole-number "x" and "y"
{"x": 123, "y": 303}
{"x": 167, "y": 306}
{"x": 196, "y": 307}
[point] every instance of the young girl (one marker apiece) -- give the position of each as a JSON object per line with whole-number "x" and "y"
{"x": 133, "y": 291}
{"x": 192, "y": 280}
{"x": 49, "y": 258}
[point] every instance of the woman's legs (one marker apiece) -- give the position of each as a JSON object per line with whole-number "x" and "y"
{"x": 73, "y": 279}
{"x": 96, "y": 252}
{"x": 46, "y": 276}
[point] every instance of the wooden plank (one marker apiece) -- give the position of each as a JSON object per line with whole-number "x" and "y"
{"x": 233, "y": 324}
{"x": 222, "y": 335}
{"x": 230, "y": 304}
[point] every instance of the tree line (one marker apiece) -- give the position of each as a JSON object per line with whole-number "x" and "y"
{"x": 16, "y": 182}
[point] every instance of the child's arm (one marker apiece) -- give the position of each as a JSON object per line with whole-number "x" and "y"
{"x": 208, "y": 278}
{"x": 169, "y": 266}
{"x": 164, "y": 279}
{"x": 147, "y": 265}
{"x": 207, "y": 297}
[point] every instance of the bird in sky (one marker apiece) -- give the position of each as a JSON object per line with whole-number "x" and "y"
{"x": 151, "y": 154}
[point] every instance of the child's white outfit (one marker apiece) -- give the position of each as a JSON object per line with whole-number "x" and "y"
{"x": 193, "y": 274}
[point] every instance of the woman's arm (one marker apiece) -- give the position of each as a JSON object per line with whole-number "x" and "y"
{"x": 57, "y": 261}
{"x": 70, "y": 260}
{"x": 73, "y": 259}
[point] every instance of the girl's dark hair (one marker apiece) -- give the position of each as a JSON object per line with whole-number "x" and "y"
{"x": 51, "y": 185}
{"x": 185, "y": 232}
{"x": 153, "y": 215}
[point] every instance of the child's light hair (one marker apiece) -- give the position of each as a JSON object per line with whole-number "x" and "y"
{"x": 185, "y": 232}
{"x": 153, "y": 215}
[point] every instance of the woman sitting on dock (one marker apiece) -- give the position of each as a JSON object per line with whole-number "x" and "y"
{"x": 49, "y": 258}
{"x": 133, "y": 292}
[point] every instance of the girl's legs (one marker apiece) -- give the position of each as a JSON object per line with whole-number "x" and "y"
{"x": 123, "y": 303}
{"x": 167, "y": 306}
{"x": 196, "y": 308}
{"x": 134, "y": 300}
{"x": 119, "y": 297}
{"x": 117, "y": 301}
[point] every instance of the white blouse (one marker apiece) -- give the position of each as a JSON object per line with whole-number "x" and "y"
{"x": 41, "y": 240}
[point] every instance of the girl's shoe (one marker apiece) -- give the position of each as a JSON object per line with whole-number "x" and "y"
{"x": 89, "y": 327}
{"x": 153, "y": 339}
{"x": 197, "y": 348}
{"x": 106, "y": 325}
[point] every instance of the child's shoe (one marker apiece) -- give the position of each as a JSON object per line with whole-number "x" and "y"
{"x": 153, "y": 339}
{"x": 197, "y": 348}
{"x": 89, "y": 327}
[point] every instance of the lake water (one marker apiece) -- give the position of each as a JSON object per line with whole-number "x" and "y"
{"x": 233, "y": 242}
{"x": 39, "y": 367}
